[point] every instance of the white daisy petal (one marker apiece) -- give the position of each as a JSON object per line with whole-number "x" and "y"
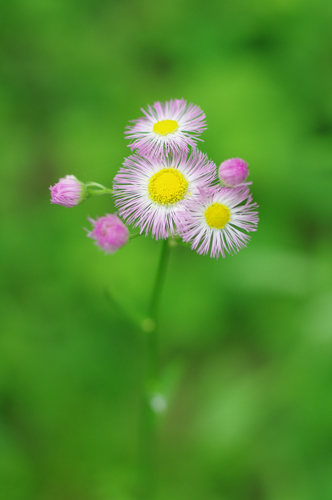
{"x": 149, "y": 192}
{"x": 215, "y": 218}
{"x": 167, "y": 128}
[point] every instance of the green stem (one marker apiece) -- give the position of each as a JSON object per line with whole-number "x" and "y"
{"x": 160, "y": 277}
{"x": 151, "y": 385}
{"x": 134, "y": 235}
{"x": 97, "y": 192}
{"x": 94, "y": 192}
{"x": 90, "y": 183}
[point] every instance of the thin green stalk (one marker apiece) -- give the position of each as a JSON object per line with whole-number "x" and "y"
{"x": 151, "y": 385}
{"x": 134, "y": 235}
{"x": 94, "y": 192}
{"x": 97, "y": 192}
{"x": 160, "y": 277}
{"x": 95, "y": 184}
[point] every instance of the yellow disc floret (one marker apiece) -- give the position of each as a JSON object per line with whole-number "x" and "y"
{"x": 167, "y": 186}
{"x": 217, "y": 215}
{"x": 165, "y": 127}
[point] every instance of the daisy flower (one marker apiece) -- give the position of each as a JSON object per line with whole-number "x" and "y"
{"x": 167, "y": 128}
{"x": 215, "y": 219}
{"x": 149, "y": 192}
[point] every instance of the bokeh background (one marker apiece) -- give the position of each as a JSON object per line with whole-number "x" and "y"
{"x": 246, "y": 341}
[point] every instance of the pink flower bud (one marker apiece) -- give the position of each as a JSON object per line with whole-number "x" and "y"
{"x": 233, "y": 172}
{"x": 109, "y": 232}
{"x": 68, "y": 192}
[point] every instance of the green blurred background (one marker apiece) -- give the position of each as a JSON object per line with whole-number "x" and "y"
{"x": 246, "y": 341}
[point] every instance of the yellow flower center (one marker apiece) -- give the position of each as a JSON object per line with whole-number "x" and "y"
{"x": 165, "y": 127}
{"x": 167, "y": 186}
{"x": 217, "y": 215}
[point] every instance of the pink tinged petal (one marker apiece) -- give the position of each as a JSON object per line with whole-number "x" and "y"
{"x": 191, "y": 123}
{"x": 130, "y": 189}
{"x": 194, "y": 229}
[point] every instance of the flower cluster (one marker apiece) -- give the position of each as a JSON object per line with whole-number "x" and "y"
{"x": 167, "y": 187}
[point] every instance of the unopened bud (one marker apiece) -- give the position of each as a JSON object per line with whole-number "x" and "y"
{"x": 233, "y": 172}
{"x": 68, "y": 192}
{"x": 109, "y": 232}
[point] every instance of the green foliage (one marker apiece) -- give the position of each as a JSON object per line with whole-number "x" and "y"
{"x": 247, "y": 340}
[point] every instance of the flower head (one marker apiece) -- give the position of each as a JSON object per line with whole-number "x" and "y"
{"x": 167, "y": 128}
{"x": 215, "y": 220}
{"x": 149, "y": 192}
{"x": 109, "y": 232}
{"x": 233, "y": 172}
{"x": 68, "y": 192}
